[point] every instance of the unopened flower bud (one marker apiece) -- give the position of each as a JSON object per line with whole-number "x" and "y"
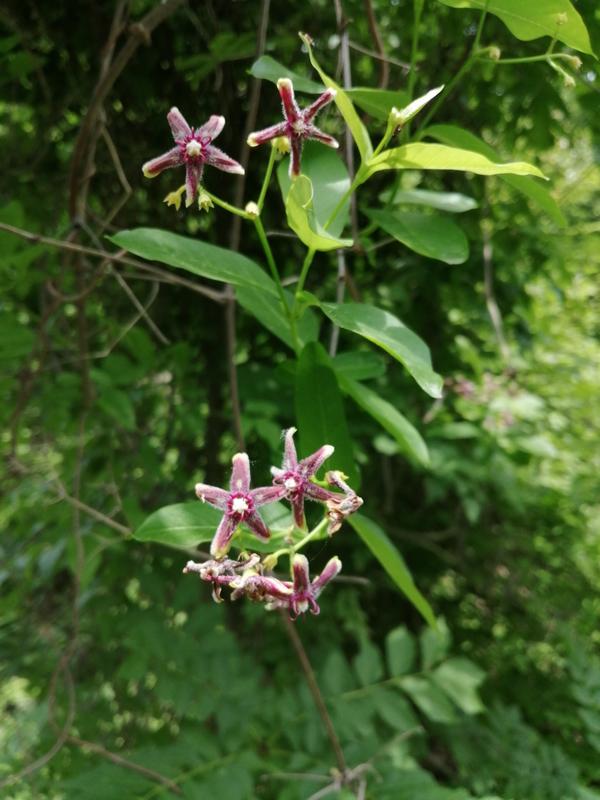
{"x": 252, "y": 209}
{"x": 574, "y": 61}
{"x": 494, "y": 53}
{"x": 204, "y": 201}
{"x": 174, "y": 198}
{"x": 281, "y": 144}
{"x": 568, "y": 81}
{"x": 562, "y": 18}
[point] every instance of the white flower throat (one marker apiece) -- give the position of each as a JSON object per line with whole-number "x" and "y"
{"x": 239, "y": 505}
{"x": 193, "y": 148}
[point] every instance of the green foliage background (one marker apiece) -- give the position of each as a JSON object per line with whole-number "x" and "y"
{"x": 499, "y": 526}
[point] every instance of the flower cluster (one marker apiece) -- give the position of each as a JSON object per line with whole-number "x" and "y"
{"x": 194, "y": 148}
{"x": 294, "y": 481}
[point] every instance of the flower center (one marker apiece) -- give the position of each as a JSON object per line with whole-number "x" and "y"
{"x": 298, "y": 126}
{"x": 239, "y": 505}
{"x": 290, "y": 483}
{"x": 193, "y": 148}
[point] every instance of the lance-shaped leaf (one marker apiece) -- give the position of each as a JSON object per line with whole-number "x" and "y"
{"x": 343, "y": 102}
{"x": 390, "y": 559}
{"x": 530, "y": 20}
{"x": 266, "y": 68}
{"x": 268, "y": 311}
{"x": 303, "y": 221}
{"x": 422, "y": 155}
{"x": 458, "y": 137}
{"x": 431, "y": 235}
{"x": 388, "y": 332}
{"x": 180, "y": 525}
{"x": 320, "y": 411}
{"x": 406, "y": 435}
{"x": 402, "y": 116}
{"x": 192, "y": 255}
{"x": 453, "y": 202}
{"x": 330, "y": 181}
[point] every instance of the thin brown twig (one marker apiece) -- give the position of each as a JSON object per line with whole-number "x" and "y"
{"x": 384, "y": 66}
{"x": 119, "y": 257}
{"x": 92, "y": 512}
{"x": 127, "y": 190}
{"x": 99, "y": 750}
{"x": 313, "y": 685}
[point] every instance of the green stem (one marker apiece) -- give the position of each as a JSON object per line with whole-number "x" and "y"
{"x": 412, "y": 75}
{"x": 528, "y": 59}
{"x": 266, "y": 180}
{"x": 304, "y": 272}
{"x": 317, "y": 530}
{"x": 228, "y": 207}
{"x": 275, "y": 275}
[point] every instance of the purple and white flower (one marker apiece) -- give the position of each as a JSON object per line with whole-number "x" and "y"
{"x": 194, "y": 149}
{"x": 297, "y": 126}
{"x": 295, "y": 476}
{"x": 239, "y": 504}
{"x": 304, "y": 592}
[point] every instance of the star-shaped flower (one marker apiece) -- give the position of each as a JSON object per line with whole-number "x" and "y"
{"x": 193, "y": 148}
{"x": 304, "y": 592}
{"x": 294, "y": 476}
{"x": 239, "y": 504}
{"x": 297, "y": 125}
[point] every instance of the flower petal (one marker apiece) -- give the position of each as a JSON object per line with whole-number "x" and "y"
{"x": 286, "y": 92}
{"x": 213, "y": 495}
{"x": 267, "y": 494}
{"x": 309, "y": 465}
{"x": 295, "y": 156}
{"x": 240, "y": 473}
{"x": 172, "y": 158}
{"x": 256, "y": 524}
{"x": 220, "y": 543}
{"x": 217, "y": 158}
{"x": 266, "y": 134}
{"x": 301, "y": 574}
{"x": 322, "y": 100}
{"x": 332, "y": 568}
{"x": 193, "y": 173}
{"x": 315, "y": 492}
{"x": 290, "y": 457}
{"x": 298, "y": 509}
{"x": 211, "y": 129}
{"x": 312, "y": 132}
{"x": 179, "y": 127}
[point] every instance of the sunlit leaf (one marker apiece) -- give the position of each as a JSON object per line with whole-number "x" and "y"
{"x": 268, "y": 69}
{"x": 453, "y": 202}
{"x": 302, "y": 219}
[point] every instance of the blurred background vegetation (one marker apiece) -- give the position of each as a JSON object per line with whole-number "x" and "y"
{"x": 121, "y": 679}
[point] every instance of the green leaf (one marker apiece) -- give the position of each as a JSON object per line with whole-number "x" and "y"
{"x": 117, "y": 405}
{"x": 16, "y": 340}
{"x": 454, "y": 135}
{"x": 419, "y": 155}
{"x": 344, "y": 104}
{"x": 330, "y": 181}
{"x": 267, "y": 69}
{"x": 453, "y": 202}
{"x": 404, "y": 115}
{"x": 390, "y": 559}
{"x": 180, "y": 525}
{"x": 302, "y": 219}
{"x": 429, "y": 699}
{"x": 267, "y": 310}
{"x": 530, "y": 20}
{"x": 320, "y": 411}
{"x": 395, "y": 710}
{"x": 460, "y": 679}
{"x": 431, "y": 235}
{"x": 377, "y": 102}
{"x": 406, "y": 435}
{"x": 368, "y": 665}
{"x": 386, "y": 331}
{"x": 435, "y": 643}
{"x": 359, "y": 365}
{"x": 192, "y": 255}
{"x": 401, "y": 651}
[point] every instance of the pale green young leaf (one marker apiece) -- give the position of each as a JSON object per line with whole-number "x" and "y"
{"x": 460, "y": 679}
{"x": 368, "y": 664}
{"x": 344, "y": 104}
{"x": 390, "y": 559}
{"x": 406, "y": 435}
{"x": 432, "y": 235}
{"x": 401, "y": 651}
{"x": 330, "y": 181}
{"x": 302, "y": 219}
{"x": 429, "y": 699}
{"x": 423, "y": 155}
{"x": 388, "y": 332}
{"x": 530, "y": 20}
{"x": 452, "y": 202}
{"x": 404, "y": 115}
{"x": 458, "y": 137}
